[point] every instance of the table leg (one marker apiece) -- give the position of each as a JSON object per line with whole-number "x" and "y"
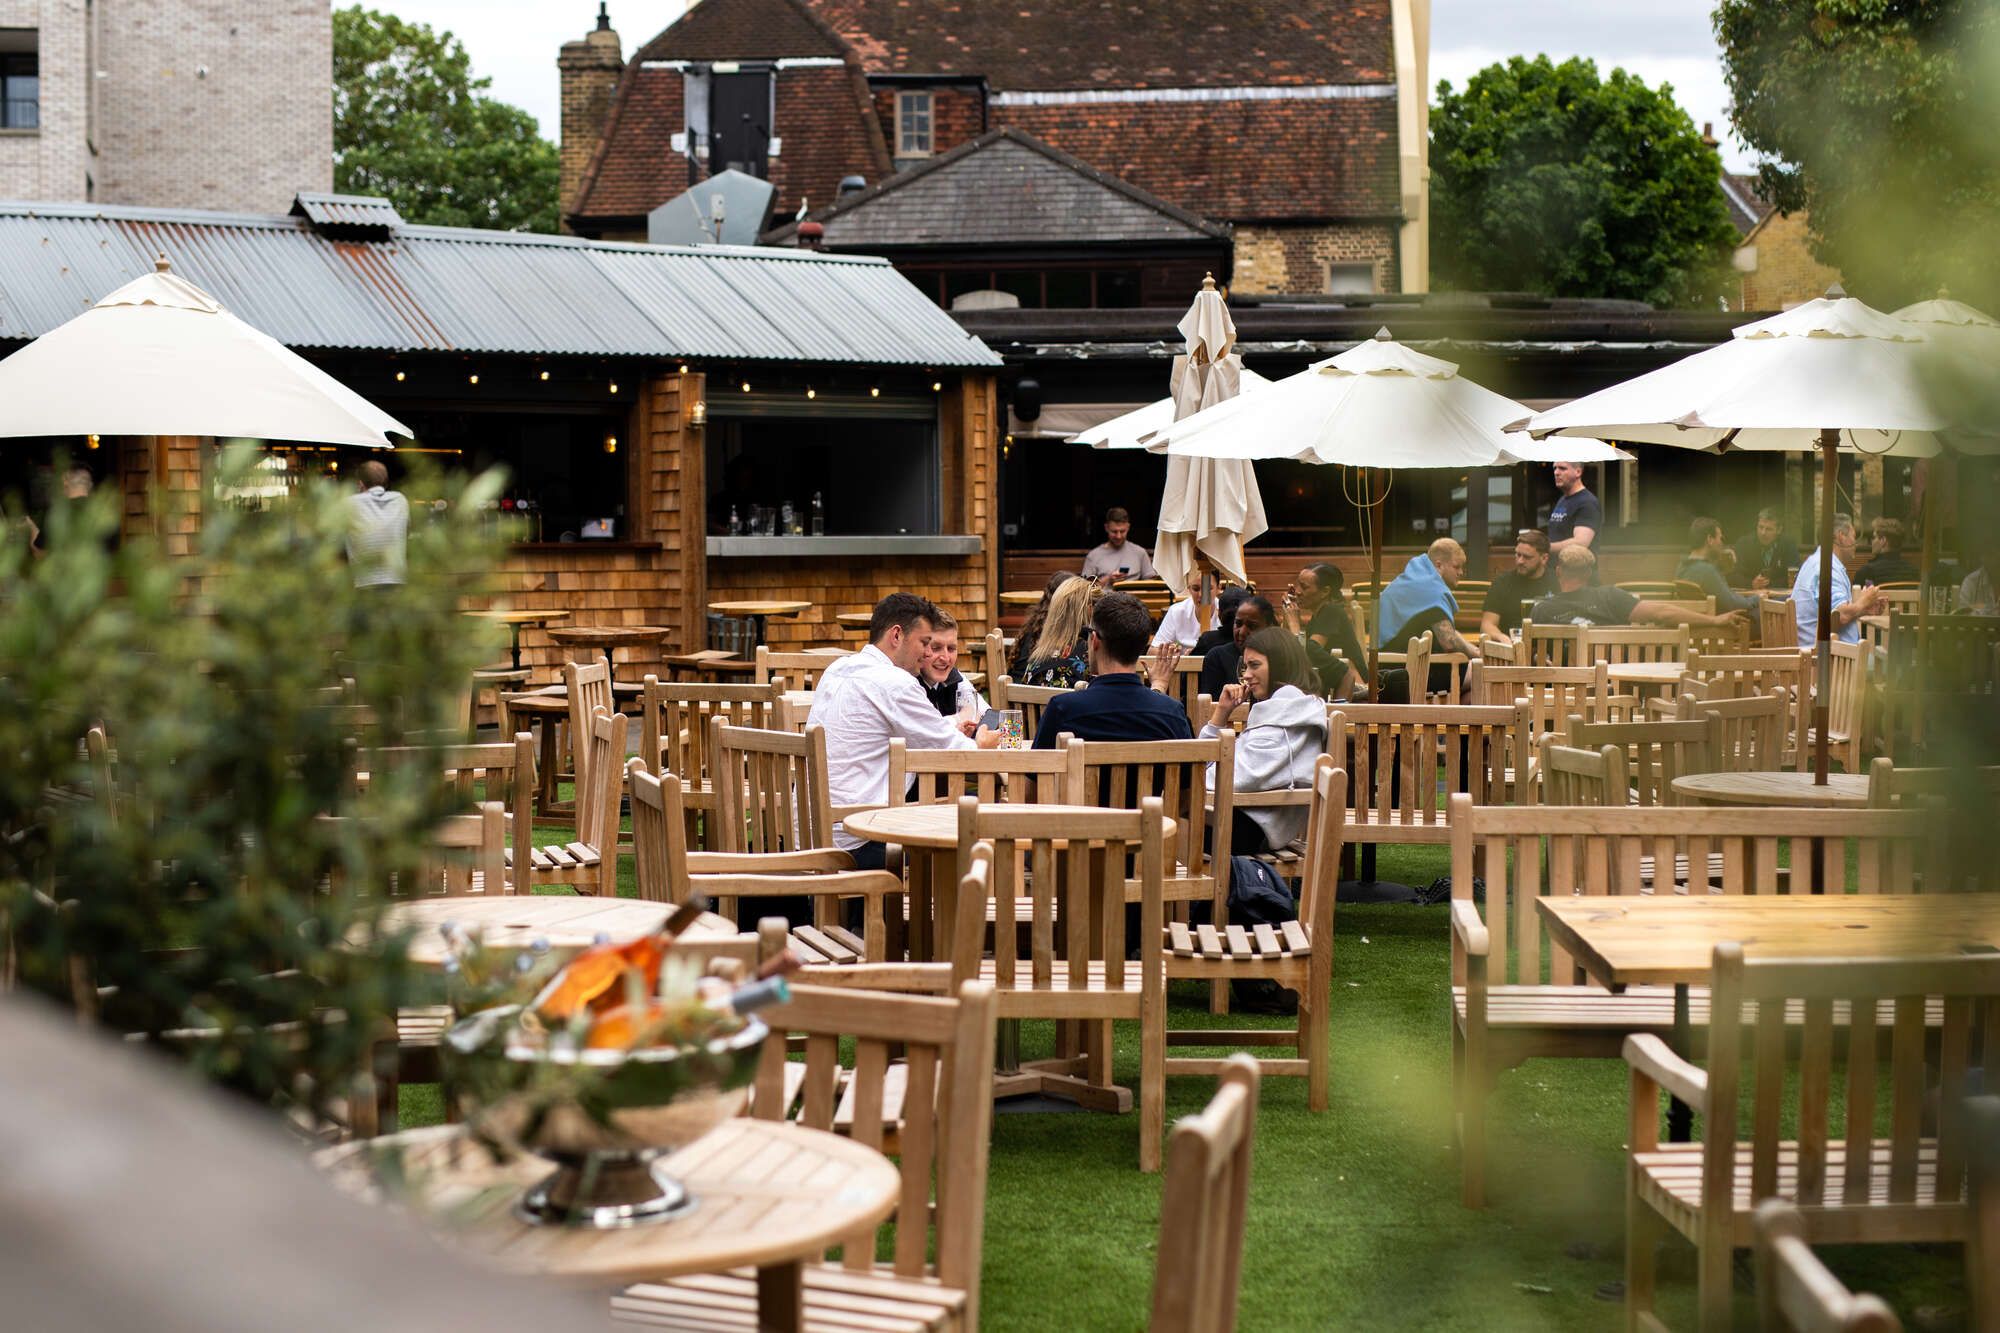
{"x": 516, "y": 633}
{"x": 781, "y": 1298}
{"x": 943, "y": 888}
{"x": 1680, "y": 1117}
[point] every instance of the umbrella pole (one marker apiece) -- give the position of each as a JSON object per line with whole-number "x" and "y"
{"x": 1931, "y": 480}
{"x": 1829, "y": 443}
{"x": 1380, "y": 497}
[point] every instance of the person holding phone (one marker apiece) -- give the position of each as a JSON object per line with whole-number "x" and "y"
{"x": 1118, "y": 558}
{"x": 1282, "y": 739}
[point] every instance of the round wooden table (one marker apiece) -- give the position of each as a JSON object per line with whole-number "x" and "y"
{"x": 513, "y": 620}
{"x": 1019, "y": 598}
{"x": 516, "y": 921}
{"x": 1846, "y": 791}
{"x": 1645, "y": 673}
{"x": 857, "y": 621}
{"x": 759, "y": 612}
{"x": 770, "y": 1195}
{"x": 585, "y": 641}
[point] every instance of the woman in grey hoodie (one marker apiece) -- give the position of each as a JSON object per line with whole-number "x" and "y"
{"x": 1285, "y": 735}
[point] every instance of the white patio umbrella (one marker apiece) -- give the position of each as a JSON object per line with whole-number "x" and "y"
{"x": 1830, "y": 374}
{"x": 159, "y": 356}
{"x": 1207, "y": 507}
{"x": 1379, "y": 405}
{"x": 1129, "y": 430}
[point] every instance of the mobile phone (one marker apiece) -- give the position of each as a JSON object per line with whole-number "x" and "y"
{"x": 990, "y": 719}
{"x": 1124, "y": 569}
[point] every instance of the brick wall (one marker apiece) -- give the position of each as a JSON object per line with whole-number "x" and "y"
{"x": 1275, "y": 260}
{"x": 957, "y": 116}
{"x": 52, "y": 162}
{"x": 213, "y": 103}
{"x": 589, "y": 73}
{"x": 824, "y": 137}
{"x": 1786, "y": 272}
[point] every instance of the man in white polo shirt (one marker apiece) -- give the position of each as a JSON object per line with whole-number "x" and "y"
{"x": 868, "y": 698}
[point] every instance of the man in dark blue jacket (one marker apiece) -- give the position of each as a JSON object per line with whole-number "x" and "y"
{"x": 1118, "y": 705}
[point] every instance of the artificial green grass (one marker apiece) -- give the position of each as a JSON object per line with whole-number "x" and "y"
{"x": 1354, "y": 1216}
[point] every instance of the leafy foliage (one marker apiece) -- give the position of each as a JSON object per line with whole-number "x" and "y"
{"x": 1545, "y": 178}
{"x": 412, "y": 123}
{"x": 1877, "y": 117}
{"x": 211, "y": 908}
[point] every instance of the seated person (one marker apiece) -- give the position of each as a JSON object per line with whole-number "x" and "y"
{"x": 1118, "y": 705}
{"x": 1225, "y": 621}
{"x": 1031, "y": 628}
{"x": 1317, "y": 613}
{"x": 1530, "y": 580}
{"x": 866, "y": 699}
{"x": 1976, "y": 593}
{"x": 1848, "y": 605}
{"x": 1886, "y": 561}
{"x": 1284, "y": 736}
{"x": 1057, "y": 660}
{"x": 1117, "y": 558}
{"x": 1766, "y": 556}
{"x": 1580, "y": 601}
{"x": 1220, "y": 666}
{"x": 1702, "y": 566}
{"x": 950, "y": 692}
{"x": 1421, "y": 598}
{"x": 1182, "y": 622}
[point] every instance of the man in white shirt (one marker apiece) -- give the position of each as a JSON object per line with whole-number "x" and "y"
{"x": 1976, "y": 594}
{"x": 870, "y": 697}
{"x": 1117, "y": 558}
{"x": 1848, "y": 608}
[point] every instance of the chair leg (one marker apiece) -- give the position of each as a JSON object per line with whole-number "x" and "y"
{"x": 1715, "y": 1273}
{"x": 1642, "y": 1242}
{"x": 1152, "y": 1082}
{"x": 1218, "y": 997}
{"x": 1469, "y": 1097}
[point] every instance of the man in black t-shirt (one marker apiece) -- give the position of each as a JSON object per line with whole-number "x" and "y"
{"x": 1581, "y": 602}
{"x": 1577, "y": 517}
{"x": 1530, "y": 581}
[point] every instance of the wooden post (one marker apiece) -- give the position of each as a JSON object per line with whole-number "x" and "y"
{"x": 1378, "y": 504}
{"x": 1829, "y": 445}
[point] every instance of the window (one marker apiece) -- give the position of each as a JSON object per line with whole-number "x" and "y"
{"x": 913, "y": 124}
{"x": 1351, "y": 279}
{"x": 20, "y": 80}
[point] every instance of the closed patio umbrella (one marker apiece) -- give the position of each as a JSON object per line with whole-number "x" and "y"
{"x": 160, "y": 356}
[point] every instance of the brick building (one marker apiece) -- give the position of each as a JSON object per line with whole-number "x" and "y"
{"x": 1774, "y": 255}
{"x": 1301, "y": 128}
{"x": 166, "y": 103}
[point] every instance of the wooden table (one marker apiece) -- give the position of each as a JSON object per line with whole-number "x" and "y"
{"x": 513, "y": 620}
{"x": 855, "y": 620}
{"x": 759, "y": 612}
{"x": 771, "y": 1195}
{"x": 585, "y": 641}
{"x": 1847, "y": 791}
{"x": 1020, "y": 598}
{"x": 517, "y": 920}
{"x": 552, "y": 711}
{"x": 1647, "y": 674}
{"x": 708, "y": 664}
{"x": 1633, "y": 940}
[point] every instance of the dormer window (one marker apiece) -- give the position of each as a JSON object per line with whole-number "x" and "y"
{"x": 913, "y": 125}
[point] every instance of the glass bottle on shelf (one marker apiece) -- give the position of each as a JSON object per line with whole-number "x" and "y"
{"x": 735, "y": 523}
{"x": 785, "y": 519}
{"x": 819, "y": 516}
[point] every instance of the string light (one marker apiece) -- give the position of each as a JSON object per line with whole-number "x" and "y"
{"x": 472, "y": 379}
{"x": 937, "y": 386}
{"x": 684, "y": 370}
{"x": 811, "y": 394}
{"x": 746, "y": 386}
{"x": 545, "y": 376}
{"x": 611, "y": 444}
{"x": 399, "y": 377}
{"x": 874, "y": 392}
{"x": 93, "y": 441}
{"x": 614, "y": 386}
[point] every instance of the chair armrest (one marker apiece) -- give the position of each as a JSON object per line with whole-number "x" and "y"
{"x": 1652, "y": 1057}
{"x": 1469, "y": 929}
{"x": 1276, "y": 799}
{"x": 909, "y": 978}
{"x": 842, "y": 883}
{"x": 811, "y": 861}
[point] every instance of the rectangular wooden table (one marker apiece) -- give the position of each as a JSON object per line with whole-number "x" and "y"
{"x": 1635, "y": 940}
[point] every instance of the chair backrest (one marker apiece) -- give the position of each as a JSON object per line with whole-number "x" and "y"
{"x": 659, "y": 834}
{"x": 793, "y": 671}
{"x": 1030, "y": 699}
{"x": 463, "y": 847}
{"x": 943, "y": 1058}
{"x": 1846, "y": 688}
{"x": 1796, "y": 1293}
{"x": 674, "y": 716}
{"x": 1635, "y": 643}
{"x": 1553, "y": 645}
{"x": 1532, "y": 851}
{"x": 999, "y": 651}
{"x": 1184, "y": 686}
{"x": 1081, "y": 865}
{"x": 1734, "y": 675}
{"x": 1750, "y": 732}
{"x": 1571, "y": 775}
{"x": 1120, "y": 775}
{"x": 1735, "y": 635}
{"x": 497, "y": 771}
{"x": 1153, "y": 594}
{"x": 940, "y": 777}
{"x": 588, "y": 685}
{"x": 1392, "y": 752}
{"x": 1552, "y": 694}
{"x": 1199, "y": 1261}
{"x": 1961, "y": 654}
{"x": 1688, "y": 590}
{"x": 1501, "y": 652}
{"x": 1326, "y": 838}
{"x": 770, "y": 789}
{"x": 1884, "y": 997}
{"x": 1777, "y": 622}
{"x": 599, "y": 789}
{"x": 1655, "y": 752}
{"x": 1649, "y": 588}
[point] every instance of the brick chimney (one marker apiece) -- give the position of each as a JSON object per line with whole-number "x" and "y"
{"x": 590, "y": 68}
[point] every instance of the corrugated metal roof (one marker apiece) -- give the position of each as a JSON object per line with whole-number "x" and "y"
{"x": 457, "y": 289}
{"x": 346, "y": 210}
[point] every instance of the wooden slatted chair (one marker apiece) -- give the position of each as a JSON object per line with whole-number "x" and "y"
{"x": 1847, "y": 690}
{"x": 999, "y": 651}
{"x": 1655, "y": 752}
{"x": 1506, "y": 1008}
{"x": 1501, "y": 652}
{"x": 1030, "y": 699}
{"x": 1736, "y": 674}
{"x": 1075, "y": 966}
{"x": 1649, "y": 588}
{"x": 1571, "y": 775}
{"x": 1777, "y": 622}
{"x": 1635, "y": 643}
{"x": 1393, "y": 752}
{"x": 1851, "y": 1184}
{"x": 1199, "y": 1260}
{"x": 940, "y": 1084}
{"x": 1552, "y": 695}
{"x": 1750, "y": 731}
{"x": 1796, "y": 1293}
{"x": 1417, "y": 662}
{"x": 1297, "y": 955}
{"x": 1184, "y": 688}
{"x": 674, "y": 721}
{"x": 580, "y": 861}
{"x": 793, "y": 671}
{"x": 497, "y": 771}
{"x": 1553, "y": 645}
{"x": 1735, "y": 635}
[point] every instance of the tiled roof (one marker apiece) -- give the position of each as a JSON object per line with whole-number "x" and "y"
{"x": 744, "y": 30}
{"x": 1048, "y": 44}
{"x": 635, "y": 168}
{"x": 1004, "y": 188}
{"x": 1747, "y": 205}
{"x": 1236, "y": 160}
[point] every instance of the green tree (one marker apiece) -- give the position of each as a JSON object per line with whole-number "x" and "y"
{"x": 1546, "y": 178}
{"x": 412, "y": 123}
{"x": 1877, "y": 116}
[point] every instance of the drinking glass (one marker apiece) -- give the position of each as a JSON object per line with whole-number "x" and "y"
{"x": 1012, "y": 726}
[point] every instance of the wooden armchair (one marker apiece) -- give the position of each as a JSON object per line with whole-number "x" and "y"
{"x": 922, "y": 1064}
{"x": 1199, "y": 1261}
{"x": 501, "y": 772}
{"x": 1851, "y": 1185}
{"x": 1570, "y": 775}
{"x": 1392, "y": 755}
{"x": 1777, "y": 622}
{"x": 1846, "y": 702}
{"x": 793, "y": 671}
{"x": 1552, "y": 694}
{"x": 1749, "y": 731}
{"x": 1635, "y": 643}
{"x": 580, "y": 861}
{"x": 1553, "y": 645}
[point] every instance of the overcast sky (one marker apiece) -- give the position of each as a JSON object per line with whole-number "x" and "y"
{"x": 514, "y": 42}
